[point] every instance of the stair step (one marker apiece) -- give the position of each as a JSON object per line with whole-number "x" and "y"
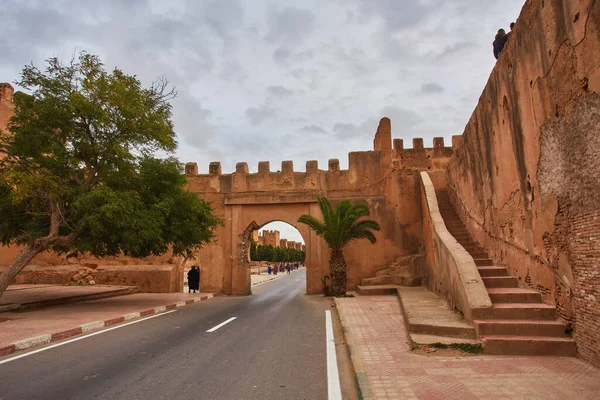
{"x": 377, "y": 290}
{"x": 517, "y": 311}
{"x": 514, "y": 295}
{"x": 500, "y": 281}
{"x": 479, "y": 255}
{"x": 529, "y": 345}
{"x": 483, "y": 262}
{"x": 504, "y": 327}
{"x": 386, "y": 271}
{"x": 378, "y": 280}
{"x": 492, "y": 271}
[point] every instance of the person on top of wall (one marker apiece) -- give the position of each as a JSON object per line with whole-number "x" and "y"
{"x": 512, "y": 25}
{"x": 499, "y": 42}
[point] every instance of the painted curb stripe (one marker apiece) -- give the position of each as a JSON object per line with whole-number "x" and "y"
{"x": 4, "y": 351}
{"x": 66, "y": 334}
{"x": 33, "y": 341}
{"x": 114, "y": 321}
{"x": 85, "y": 328}
{"x": 92, "y": 326}
{"x": 147, "y": 312}
{"x": 13, "y": 358}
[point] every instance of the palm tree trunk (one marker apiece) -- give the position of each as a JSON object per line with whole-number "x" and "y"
{"x": 338, "y": 268}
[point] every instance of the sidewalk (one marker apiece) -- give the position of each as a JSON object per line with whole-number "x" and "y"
{"x": 21, "y": 330}
{"x": 386, "y": 368}
{"x": 265, "y": 277}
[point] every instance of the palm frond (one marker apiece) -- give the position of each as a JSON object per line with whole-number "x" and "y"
{"x": 368, "y": 224}
{"x": 313, "y": 223}
{"x": 342, "y": 224}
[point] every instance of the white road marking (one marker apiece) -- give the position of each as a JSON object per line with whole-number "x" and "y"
{"x": 333, "y": 376}
{"x": 80, "y": 338}
{"x": 220, "y": 325}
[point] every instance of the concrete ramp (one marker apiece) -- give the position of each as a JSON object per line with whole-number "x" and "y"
{"x": 430, "y": 320}
{"x": 26, "y": 297}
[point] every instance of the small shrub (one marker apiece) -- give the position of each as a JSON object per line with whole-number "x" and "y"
{"x": 468, "y": 347}
{"x": 439, "y": 345}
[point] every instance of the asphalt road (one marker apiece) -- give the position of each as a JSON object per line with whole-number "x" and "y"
{"x": 275, "y": 349}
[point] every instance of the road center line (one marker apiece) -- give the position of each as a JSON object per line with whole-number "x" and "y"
{"x": 220, "y": 325}
{"x": 81, "y": 338}
{"x": 333, "y": 376}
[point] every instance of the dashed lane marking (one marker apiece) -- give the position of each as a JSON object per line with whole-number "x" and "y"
{"x": 220, "y": 325}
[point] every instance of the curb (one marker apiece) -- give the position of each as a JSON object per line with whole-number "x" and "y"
{"x": 92, "y": 326}
{"x": 272, "y": 279}
{"x": 364, "y": 389}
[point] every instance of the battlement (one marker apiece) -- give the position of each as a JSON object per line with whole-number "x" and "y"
{"x": 356, "y": 159}
{"x": 363, "y": 167}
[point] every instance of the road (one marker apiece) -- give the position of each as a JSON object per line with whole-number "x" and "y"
{"x": 274, "y": 349}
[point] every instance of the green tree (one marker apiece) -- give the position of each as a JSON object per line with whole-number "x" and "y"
{"x": 254, "y": 250}
{"x": 79, "y": 173}
{"x": 339, "y": 227}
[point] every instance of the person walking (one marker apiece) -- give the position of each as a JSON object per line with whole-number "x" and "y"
{"x": 499, "y": 42}
{"x": 194, "y": 279}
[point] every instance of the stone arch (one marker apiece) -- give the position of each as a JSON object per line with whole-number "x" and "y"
{"x": 250, "y": 217}
{"x": 244, "y": 243}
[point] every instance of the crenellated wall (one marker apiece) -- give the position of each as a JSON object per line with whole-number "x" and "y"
{"x": 526, "y": 179}
{"x": 386, "y": 179}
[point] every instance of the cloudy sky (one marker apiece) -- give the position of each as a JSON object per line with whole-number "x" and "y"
{"x": 276, "y": 79}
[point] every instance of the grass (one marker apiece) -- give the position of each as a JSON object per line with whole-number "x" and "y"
{"x": 466, "y": 347}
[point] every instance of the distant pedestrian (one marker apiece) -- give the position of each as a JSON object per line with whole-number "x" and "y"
{"x": 499, "y": 42}
{"x": 269, "y": 270}
{"x": 194, "y": 279}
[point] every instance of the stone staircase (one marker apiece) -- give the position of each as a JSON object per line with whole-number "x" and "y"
{"x": 518, "y": 322}
{"x": 402, "y": 272}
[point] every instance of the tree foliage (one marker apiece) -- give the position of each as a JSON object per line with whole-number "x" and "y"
{"x": 340, "y": 226}
{"x": 80, "y": 172}
{"x": 275, "y": 254}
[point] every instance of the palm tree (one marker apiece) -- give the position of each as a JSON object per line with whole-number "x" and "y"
{"x": 339, "y": 227}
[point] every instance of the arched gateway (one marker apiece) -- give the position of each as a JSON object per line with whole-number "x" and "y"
{"x": 386, "y": 179}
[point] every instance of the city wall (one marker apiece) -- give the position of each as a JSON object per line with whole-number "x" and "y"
{"x": 526, "y": 178}
{"x": 386, "y": 179}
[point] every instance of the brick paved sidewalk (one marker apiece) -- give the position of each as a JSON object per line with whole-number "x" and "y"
{"x": 60, "y": 322}
{"x": 386, "y": 368}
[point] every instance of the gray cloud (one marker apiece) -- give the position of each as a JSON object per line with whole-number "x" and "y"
{"x": 259, "y": 115}
{"x": 279, "y": 92}
{"x": 253, "y": 72}
{"x": 431, "y": 87}
{"x": 290, "y": 25}
{"x": 403, "y": 117}
{"x": 312, "y": 129}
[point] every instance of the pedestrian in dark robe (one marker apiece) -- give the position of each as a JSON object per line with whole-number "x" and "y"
{"x": 194, "y": 279}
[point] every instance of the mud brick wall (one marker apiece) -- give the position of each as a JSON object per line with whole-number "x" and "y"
{"x": 526, "y": 177}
